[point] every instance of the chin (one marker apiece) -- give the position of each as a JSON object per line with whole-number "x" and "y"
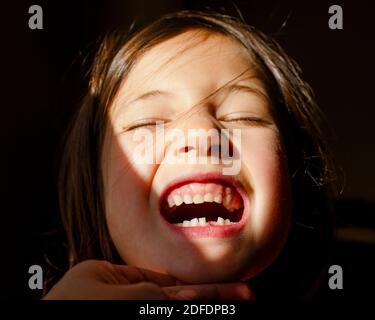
{"x": 222, "y": 267}
{"x": 199, "y": 276}
{"x": 201, "y": 271}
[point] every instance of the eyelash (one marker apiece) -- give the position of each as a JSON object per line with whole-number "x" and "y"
{"x": 143, "y": 123}
{"x": 149, "y": 123}
{"x": 246, "y": 120}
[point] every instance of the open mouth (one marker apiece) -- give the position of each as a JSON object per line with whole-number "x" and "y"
{"x": 202, "y": 204}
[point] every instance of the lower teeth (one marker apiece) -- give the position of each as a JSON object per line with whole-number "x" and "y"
{"x": 188, "y": 224}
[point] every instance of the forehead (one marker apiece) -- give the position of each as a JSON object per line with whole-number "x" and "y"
{"x": 196, "y": 60}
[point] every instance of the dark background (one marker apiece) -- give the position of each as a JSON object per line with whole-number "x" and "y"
{"x": 41, "y": 86}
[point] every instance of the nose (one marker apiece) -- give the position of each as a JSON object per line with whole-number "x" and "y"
{"x": 212, "y": 150}
{"x": 201, "y": 136}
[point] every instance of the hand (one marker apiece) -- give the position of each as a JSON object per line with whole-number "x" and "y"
{"x": 101, "y": 280}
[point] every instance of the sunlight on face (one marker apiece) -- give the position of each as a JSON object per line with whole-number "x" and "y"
{"x": 174, "y": 83}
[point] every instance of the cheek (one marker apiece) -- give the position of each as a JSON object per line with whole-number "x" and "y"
{"x": 268, "y": 171}
{"x": 127, "y": 190}
{"x": 133, "y": 154}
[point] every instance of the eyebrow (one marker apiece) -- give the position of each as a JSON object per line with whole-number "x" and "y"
{"x": 235, "y": 87}
{"x": 150, "y": 94}
{"x": 242, "y": 88}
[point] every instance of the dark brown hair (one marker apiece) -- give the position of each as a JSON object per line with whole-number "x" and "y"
{"x": 298, "y": 117}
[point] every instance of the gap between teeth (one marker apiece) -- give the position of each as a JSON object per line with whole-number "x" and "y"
{"x": 202, "y": 222}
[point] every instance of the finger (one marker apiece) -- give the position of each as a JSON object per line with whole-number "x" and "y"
{"x": 129, "y": 274}
{"x": 231, "y": 291}
{"x": 138, "y": 291}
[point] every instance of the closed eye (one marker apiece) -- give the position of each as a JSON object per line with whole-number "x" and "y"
{"x": 144, "y": 123}
{"x": 247, "y": 120}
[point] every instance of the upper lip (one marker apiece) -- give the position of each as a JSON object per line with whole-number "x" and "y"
{"x": 205, "y": 177}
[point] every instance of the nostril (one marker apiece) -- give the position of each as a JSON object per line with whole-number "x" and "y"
{"x": 186, "y": 149}
{"x": 218, "y": 150}
{"x": 214, "y": 151}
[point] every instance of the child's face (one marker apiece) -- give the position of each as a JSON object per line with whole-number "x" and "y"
{"x": 141, "y": 198}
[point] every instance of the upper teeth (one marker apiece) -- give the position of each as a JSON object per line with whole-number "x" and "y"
{"x": 208, "y": 197}
{"x": 198, "y": 199}
{"x": 218, "y": 198}
{"x": 188, "y": 198}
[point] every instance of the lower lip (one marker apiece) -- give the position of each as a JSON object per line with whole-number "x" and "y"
{"x": 211, "y": 230}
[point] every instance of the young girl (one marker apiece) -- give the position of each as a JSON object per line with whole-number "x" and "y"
{"x": 170, "y": 228}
